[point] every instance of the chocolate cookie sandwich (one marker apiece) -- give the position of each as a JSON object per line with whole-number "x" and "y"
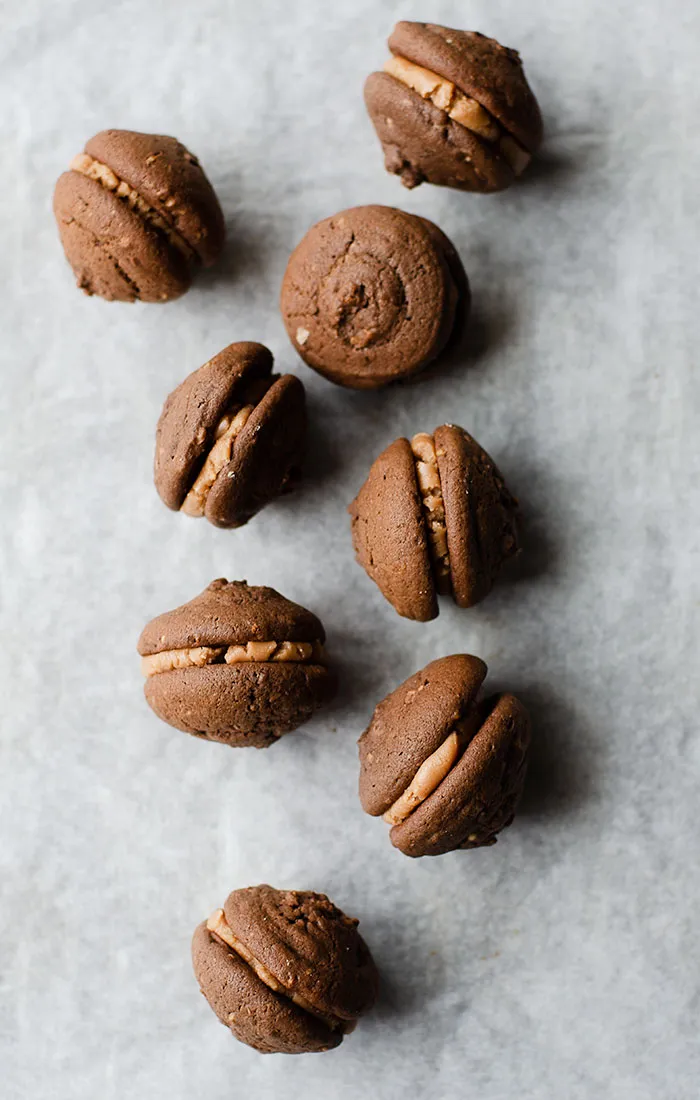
{"x": 434, "y": 516}
{"x": 444, "y": 767}
{"x": 285, "y": 970}
{"x": 231, "y": 437}
{"x": 372, "y": 295}
{"x": 453, "y": 108}
{"x": 137, "y": 217}
{"x": 238, "y": 664}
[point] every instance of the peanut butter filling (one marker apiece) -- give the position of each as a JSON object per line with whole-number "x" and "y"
{"x": 461, "y": 108}
{"x": 426, "y": 780}
{"x": 219, "y": 456}
{"x": 439, "y": 764}
{"x": 517, "y": 157}
{"x": 220, "y": 928}
{"x": 102, "y": 174}
{"x": 428, "y": 475}
{"x": 199, "y": 656}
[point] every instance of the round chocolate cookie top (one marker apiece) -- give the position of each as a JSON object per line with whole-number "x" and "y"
{"x": 286, "y": 970}
{"x": 309, "y": 945}
{"x": 231, "y": 437}
{"x": 231, "y": 613}
{"x": 371, "y": 295}
{"x": 434, "y": 515}
{"x": 137, "y": 217}
{"x": 453, "y": 108}
{"x": 444, "y": 767}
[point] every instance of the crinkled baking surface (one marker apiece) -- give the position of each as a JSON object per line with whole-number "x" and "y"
{"x": 563, "y": 962}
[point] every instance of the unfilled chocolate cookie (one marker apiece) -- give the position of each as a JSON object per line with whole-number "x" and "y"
{"x": 238, "y": 664}
{"x": 137, "y": 217}
{"x": 371, "y": 295}
{"x": 231, "y": 437}
{"x": 285, "y": 970}
{"x": 434, "y": 516}
{"x": 443, "y": 766}
{"x": 453, "y": 108}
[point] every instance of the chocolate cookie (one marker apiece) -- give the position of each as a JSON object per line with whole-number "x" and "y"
{"x": 238, "y": 664}
{"x": 444, "y": 767}
{"x": 453, "y": 108}
{"x": 434, "y": 516}
{"x": 285, "y": 970}
{"x": 372, "y": 295}
{"x": 137, "y": 217}
{"x": 231, "y": 437}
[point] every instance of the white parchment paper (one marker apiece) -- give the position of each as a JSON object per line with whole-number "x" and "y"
{"x": 563, "y": 963}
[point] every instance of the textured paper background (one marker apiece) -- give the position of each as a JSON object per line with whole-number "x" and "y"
{"x": 561, "y": 963}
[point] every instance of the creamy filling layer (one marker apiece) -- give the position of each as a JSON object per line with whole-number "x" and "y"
{"x": 438, "y": 765}
{"x": 225, "y": 434}
{"x": 219, "y": 456}
{"x": 102, "y": 174}
{"x": 426, "y": 780}
{"x": 461, "y": 108}
{"x": 219, "y": 927}
{"x": 199, "y": 656}
{"x": 429, "y": 484}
